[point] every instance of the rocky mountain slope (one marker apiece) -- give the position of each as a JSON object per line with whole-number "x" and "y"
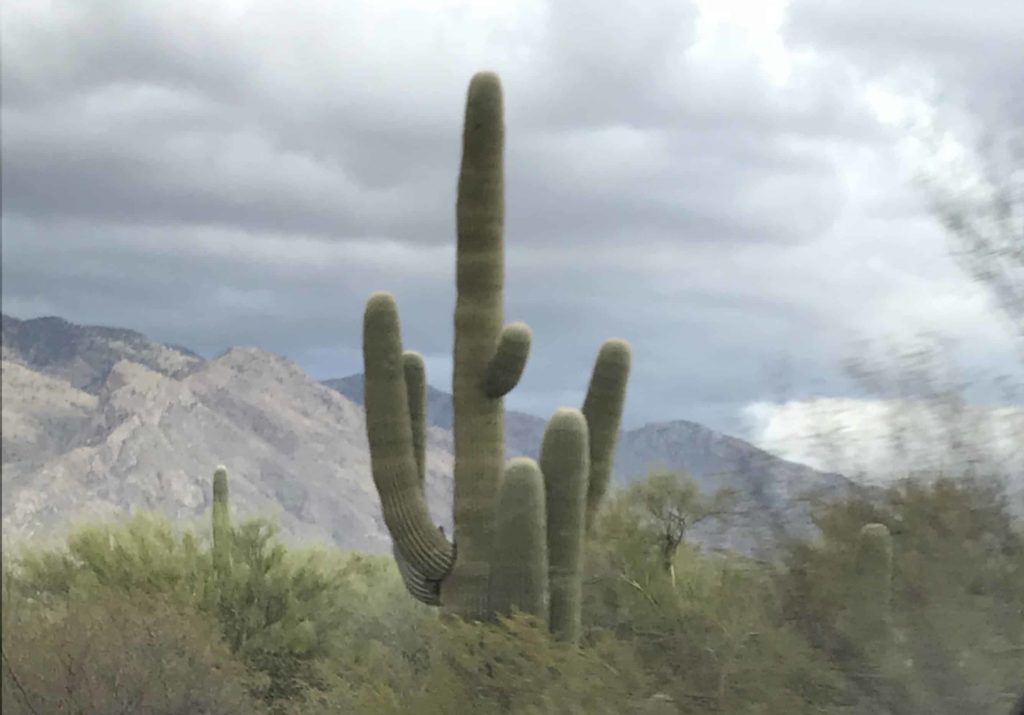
{"x": 83, "y": 355}
{"x": 149, "y": 436}
{"x": 99, "y": 420}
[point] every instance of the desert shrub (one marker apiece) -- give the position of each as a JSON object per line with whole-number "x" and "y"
{"x": 957, "y": 637}
{"x": 708, "y": 629}
{"x": 107, "y": 652}
{"x": 509, "y": 667}
{"x": 279, "y": 610}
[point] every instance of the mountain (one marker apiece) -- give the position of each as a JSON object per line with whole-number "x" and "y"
{"x": 99, "y": 420}
{"x": 88, "y": 432}
{"x": 82, "y": 355}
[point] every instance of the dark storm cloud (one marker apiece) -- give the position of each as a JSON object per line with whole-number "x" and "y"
{"x": 134, "y": 130}
{"x": 245, "y": 173}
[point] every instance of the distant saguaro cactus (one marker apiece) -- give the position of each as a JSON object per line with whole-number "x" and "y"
{"x": 519, "y": 529}
{"x": 871, "y": 597}
{"x": 221, "y": 522}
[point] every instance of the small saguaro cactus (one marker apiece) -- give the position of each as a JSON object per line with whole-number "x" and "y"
{"x": 870, "y": 598}
{"x": 519, "y": 528}
{"x": 221, "y": 522}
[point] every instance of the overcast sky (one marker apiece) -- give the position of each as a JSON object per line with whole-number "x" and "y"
{"x": 726, "y": 184}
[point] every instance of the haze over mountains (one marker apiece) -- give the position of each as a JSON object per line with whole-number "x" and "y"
{"x": 97, "y": 421}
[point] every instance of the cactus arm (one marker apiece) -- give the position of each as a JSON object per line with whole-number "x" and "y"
{"x": 564, "y": 461}
{"x": 603, "y": 411}
{"x": 221, "y": 522}
{"x": 392, "y": 457}
{"x": 416, "y": 391}
{"x": 506, "y": 366}
{"x": 519, "y": 567}
{"x": 419, "y": 587}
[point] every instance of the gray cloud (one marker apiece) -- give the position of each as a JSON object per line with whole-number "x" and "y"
{"x": 972, "y": 51}
{"x": 213, "y": 177}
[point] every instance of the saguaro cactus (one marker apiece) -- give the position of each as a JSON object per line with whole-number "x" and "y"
{"x": 221, "y": 522}
{"x": 519, "y": 529}
{"x": 870, "y": 598}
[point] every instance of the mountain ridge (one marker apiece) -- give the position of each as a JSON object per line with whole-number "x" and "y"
{"x": 138, "y": 423}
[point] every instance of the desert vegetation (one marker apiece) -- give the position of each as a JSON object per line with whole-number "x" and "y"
{"x": 918, "y": 613}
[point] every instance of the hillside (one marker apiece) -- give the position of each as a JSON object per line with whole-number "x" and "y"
{"x": 98, "y": 420}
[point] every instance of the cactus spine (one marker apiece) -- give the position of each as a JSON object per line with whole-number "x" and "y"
{"x": 520, "y": 528}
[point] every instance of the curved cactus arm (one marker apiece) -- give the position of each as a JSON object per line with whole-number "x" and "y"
{"x": 390, "y": 434}
{"x": 416, "y": 392}
{"x": 419, "y": 587}
{"x": 506, "y": 366}
{"x": 603, "y": 411}
{"x": 519, "y": 566}
{"x": 221, "y": 521}
{"x": 564, "y": 458}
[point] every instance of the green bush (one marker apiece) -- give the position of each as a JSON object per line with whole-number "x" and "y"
{"x": 134, "y": 617}
{"x": 104, "y": 651}
{"x": 957, "y": 621}
{"x": 279, "y": 611}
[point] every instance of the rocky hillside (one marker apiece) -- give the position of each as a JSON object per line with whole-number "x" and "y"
{"x": 127, "y": 434}
{"x": 100, "y": 420}
{"x": 83, "y": 355}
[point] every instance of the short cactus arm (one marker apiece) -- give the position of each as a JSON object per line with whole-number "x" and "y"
{"x": 416, "y": 391}
{"x": 603, "y": 411}
{"x": 519, "y": 565}
{"x": 564, "y": 463}
{"x": 392, "y": 455}
{"x": 506, "y": 366}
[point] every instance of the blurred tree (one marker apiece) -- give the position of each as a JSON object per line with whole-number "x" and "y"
{"x": 956, "y": 609}
{"x": 980, "y": 201}
{"x": 656, "y": 514}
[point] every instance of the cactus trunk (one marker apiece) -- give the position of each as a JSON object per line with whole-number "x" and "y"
{"x": 479, "y": 418}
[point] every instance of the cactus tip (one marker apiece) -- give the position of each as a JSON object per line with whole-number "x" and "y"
{"x": 876, "y": 531}
{"x": 568, "y": 417}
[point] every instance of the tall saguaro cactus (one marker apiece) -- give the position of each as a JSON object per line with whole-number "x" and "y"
{"x": 518, "y": 529}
